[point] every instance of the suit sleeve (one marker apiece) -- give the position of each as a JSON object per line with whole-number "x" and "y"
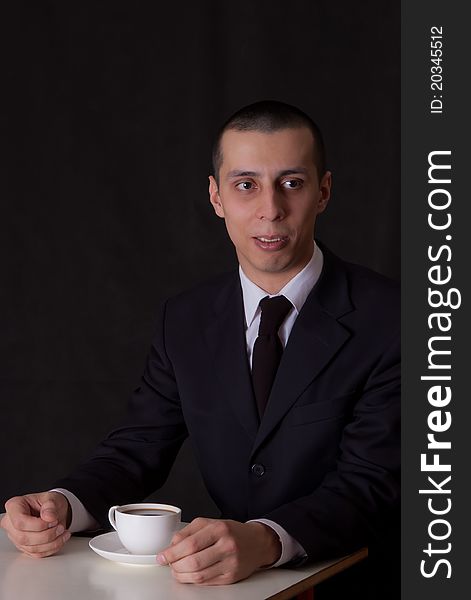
{"x": 136, "y": 457}
{"x": 357, "y": 504}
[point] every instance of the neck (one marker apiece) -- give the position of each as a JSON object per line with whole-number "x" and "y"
{"x": 273, "y": 282}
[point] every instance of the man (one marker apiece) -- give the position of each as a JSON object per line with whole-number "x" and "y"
{"x": 302, "y": 458}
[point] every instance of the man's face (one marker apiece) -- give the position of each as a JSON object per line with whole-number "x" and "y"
{"x": 269, "y": 195}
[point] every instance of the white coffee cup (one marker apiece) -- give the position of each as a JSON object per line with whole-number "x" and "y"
{"x": 145, "y": 528}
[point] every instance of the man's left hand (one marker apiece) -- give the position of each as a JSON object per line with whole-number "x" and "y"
{"x": 218, "y": 552}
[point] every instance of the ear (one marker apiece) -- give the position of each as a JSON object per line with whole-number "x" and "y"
{"x": 325, "y": 187}
{"x": 214, "y": 197}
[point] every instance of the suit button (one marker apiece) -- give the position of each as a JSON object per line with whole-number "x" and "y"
{"x": 258, "y": 470}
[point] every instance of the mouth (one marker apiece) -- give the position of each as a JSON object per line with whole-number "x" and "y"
{"x": 271, "y": 242}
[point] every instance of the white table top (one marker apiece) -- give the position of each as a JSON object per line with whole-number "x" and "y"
{"x": 78, "y": 573}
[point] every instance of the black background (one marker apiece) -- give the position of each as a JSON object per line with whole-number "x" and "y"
{"x": 107, "y": 115}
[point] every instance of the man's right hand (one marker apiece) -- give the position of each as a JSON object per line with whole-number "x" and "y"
{"x": 36, "y": 523}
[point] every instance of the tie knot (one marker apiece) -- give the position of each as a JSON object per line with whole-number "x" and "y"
{"x": 274, "y": 311}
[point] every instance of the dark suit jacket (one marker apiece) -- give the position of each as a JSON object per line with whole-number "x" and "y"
{"x": 323, "y": 462}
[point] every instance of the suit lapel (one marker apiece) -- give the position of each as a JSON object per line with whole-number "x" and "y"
{"x": 225, "y": 337}
{"x": 316, "y": 337}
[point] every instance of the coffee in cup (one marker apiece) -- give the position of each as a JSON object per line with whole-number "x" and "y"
{"x": 145, "y": 528}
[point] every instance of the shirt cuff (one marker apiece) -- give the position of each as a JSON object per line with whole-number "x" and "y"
{"x": 82, "y": 520}
{"x": 291, "y": 549}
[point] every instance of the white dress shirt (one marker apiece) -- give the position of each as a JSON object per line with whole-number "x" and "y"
{"x": 296, "y": 290}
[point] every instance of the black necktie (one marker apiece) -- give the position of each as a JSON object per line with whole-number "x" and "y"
{"x": 268, "y": 349}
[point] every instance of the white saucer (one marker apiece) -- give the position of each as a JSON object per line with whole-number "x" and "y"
{"x": 109, "y": 546}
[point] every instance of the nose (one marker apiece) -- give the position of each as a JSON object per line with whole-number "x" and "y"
{"x": 270, "y": 205}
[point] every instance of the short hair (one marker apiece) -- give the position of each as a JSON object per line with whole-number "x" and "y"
{"x": 268, "y": 116}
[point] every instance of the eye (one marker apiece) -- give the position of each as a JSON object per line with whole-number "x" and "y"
{"x": 245, "y": 186}
{"x": 292, "y": 184}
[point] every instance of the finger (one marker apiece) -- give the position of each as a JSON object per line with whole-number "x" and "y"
{"x": 198, "y": 561}
{"x": 43, "y": 550}
{"x": 189, "y": 545}
{"x": 28, "y": 538}
{"x": 20, "y": 517}
{"x": 31, "y": 524}
{"x": 217, "y": 574}
{"x": 49, "y": 512}
{"x": 191, "y": 528}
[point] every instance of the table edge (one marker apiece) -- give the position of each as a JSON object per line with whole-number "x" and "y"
{"x": 312, "y": 580}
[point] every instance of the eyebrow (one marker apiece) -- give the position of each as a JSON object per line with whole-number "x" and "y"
{"x": 295, "y": 171}
{"x": 291, "y": 171}
{"x": 235, "y": 173}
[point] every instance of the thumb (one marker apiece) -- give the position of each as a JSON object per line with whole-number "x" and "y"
{"x": 49, "y": 512}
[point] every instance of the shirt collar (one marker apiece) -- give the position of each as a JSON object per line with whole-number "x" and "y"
{"x": 296, "y": 290}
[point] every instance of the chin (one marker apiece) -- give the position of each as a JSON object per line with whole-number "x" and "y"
{"x": 275, "y": 266}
